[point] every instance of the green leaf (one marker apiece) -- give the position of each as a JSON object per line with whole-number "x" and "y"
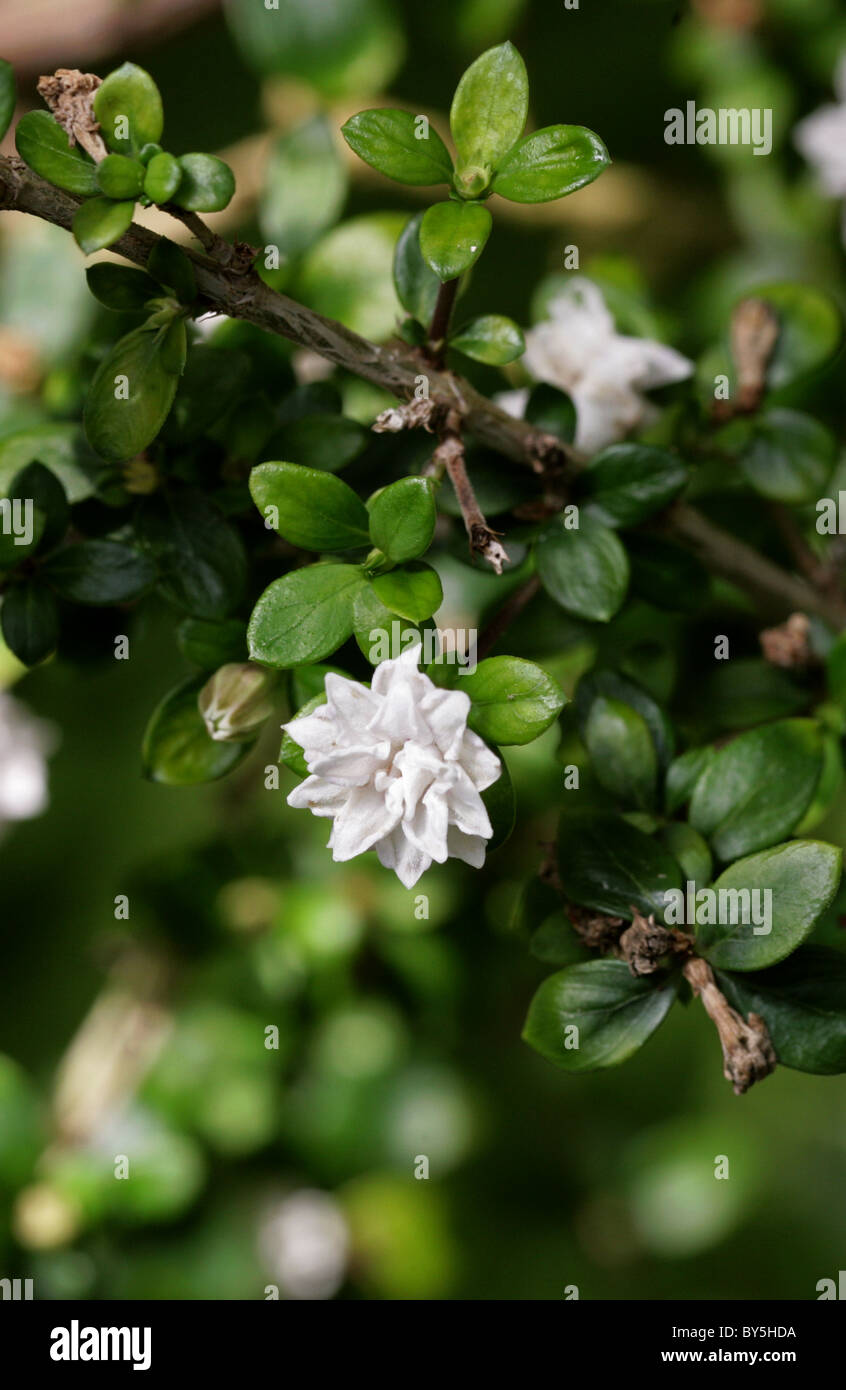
{"x": 512, "y": 701}
{"x": 178, "y": 750}
{"x": 801, "y": 877}
{"x": 595, "y": 1015}
{"x": 305, "y": 184}
{"x": 756, "y": 790}
{"x": 169, "y": 265}
{"x": 214, "y": 380}
{"x": 627, "y": 483}
{"x": 120, "y": 288}
{"x": 555, "y": 941}
{"x": 162, "y": 177}
{"x": 609, "y": 865}
{"x": 489, "y": 109}
{"x": 585, "y": 570}
{"x": 803, "y": 1003}
{"x": 119, "y": 176}
{"x": 491, "y": 338}
{"x": 501, "y": 806}
{"x": 304, "y": 616}
{"x": 321, "y": 441}
{"x": 129, "y": 108}
{"x": 387, "y": 140}
{"x": 690, "y": 851}
{"x": 37, "y": 485}
{"x": 311, "y": 509}
{"x": 141, "y": 366}
{"x": 43, "y": 144}
{"x": 453, "y": 236}
{"x": 201, "y": 559}
{"x": 207, "y": 184}
{"x": 616, "y": 687}
{"x": 99, "y": 572}
{"x": 402, "y": 519}
{"x": 413, "y": 591}
{"x": 30, "y": 622}
{"x": 211, "y": 644}
{"x": 99, "y": 222}
{"x": 416, "y": 284}
{"x": 789, "y": 456}
{"x": 7, "y": 96}
{"x": 622, "y": 752}
{"x": 551, "y": 163}
{"x": 380, "y": 633}
{"x": 683, "y": 774}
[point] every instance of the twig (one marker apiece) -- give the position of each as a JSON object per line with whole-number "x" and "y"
{"x": 439, "y": 327}
{"x": 748, "y": 1053}
{"x": 449, "y": 455}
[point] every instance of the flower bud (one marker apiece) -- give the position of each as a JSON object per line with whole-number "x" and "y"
{"x": 472, "y": 181}
{"x": 236, "y": 701}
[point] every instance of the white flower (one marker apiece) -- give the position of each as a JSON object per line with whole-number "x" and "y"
{"x": 821, "y": 138}
{"x": 24, "y": 744}
{"x": 579, "y": 350}
{"x": 397, "y": 769}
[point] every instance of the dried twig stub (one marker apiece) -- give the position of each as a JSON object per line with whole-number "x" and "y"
{"x": 788, "y": 645}
{"x": 748, "y": 1053}
{"x": 69, "y": 94}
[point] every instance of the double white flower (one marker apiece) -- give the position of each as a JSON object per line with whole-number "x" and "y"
{"x": 579, "y": 350}
{"x": 397, "y": 770}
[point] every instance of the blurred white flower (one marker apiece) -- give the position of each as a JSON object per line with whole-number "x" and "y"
{"x": 821, "y": 138}
{"x": 579, "y": 350}
{"x": 25, "y": 743}
{"x": 305, "y": 1244}
{"x": 397, "y": 769}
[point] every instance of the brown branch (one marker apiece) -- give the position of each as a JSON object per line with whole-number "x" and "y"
{"x": 748, "y": 1053}
{"x": 511, "y": 609}
{"x": 449, "y": 455}
{"x": 439, "y": 327}
{"x": 398, "y": 369}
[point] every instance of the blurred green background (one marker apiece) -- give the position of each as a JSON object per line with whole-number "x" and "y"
{"x": 399, "y": 1037}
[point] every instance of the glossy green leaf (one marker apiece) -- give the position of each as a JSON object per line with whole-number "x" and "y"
{"x": 129, "y": 108}
{"x": 595, "y": 1014}
{"x": 683, "y": 774}
{"x": 416, "y": 284}
{"x": 380, "y": 633}
{"x": 43, "y": 144}
{"x": 402, "y": 519}
{"x": 200, "y": 556}
{"x": 803, "y": 1003}
{"x": 585, "y": 570}
{"x": 162, "y": 177}
{"x": 304, "y": 616}
{"x": 491, "y": 338}
{"x": 40, "y": 519}
{"x": 607, "y": 864}
{"x": 99, "y": 572}
{"x": 613, "y": 686}
{"x": 132, "y": 392}
{"x": 550, "y": 163}
{"x": 29, "y": 621}
{"x": 120, "y": 288}
{"x": 801, "y": 878}
{"x": 169, "y": 265}
{"x": 621, "y": 751}
{"x": 207, "y": 184}
{"x": 627, "y": 483}
{"x": 789, "y": 456}
{"x": 512, "y": 701}
{"x": 99, "y": 222}
{"x": 400, "y": 145}
{"x": 120, "y": 176}
{"x": 453, "y": 237}
{"x": 413, "y": 591}
{"x": 7, "y": 96}
{"x": 178, "y": 750}
{"x": 756, "y": 790}
{"x": 311, "y": 509}
{"x": 690, "y": 850}
{"x": 489, "y": 109}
